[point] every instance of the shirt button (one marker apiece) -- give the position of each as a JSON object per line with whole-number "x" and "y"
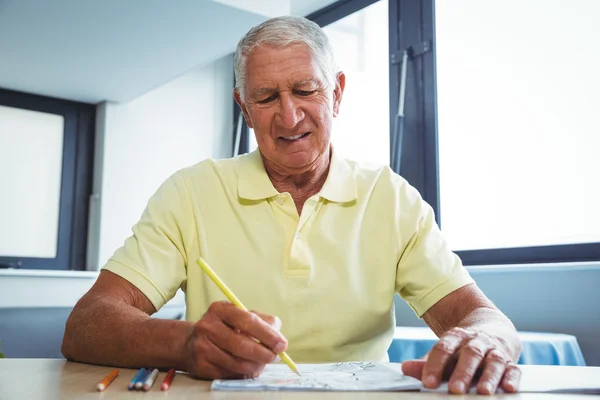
{"x": 279, "y": 200}
{"x": 298, "y": 235}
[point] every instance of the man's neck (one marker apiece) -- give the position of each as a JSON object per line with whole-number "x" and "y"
{"x": 304, "y": 185}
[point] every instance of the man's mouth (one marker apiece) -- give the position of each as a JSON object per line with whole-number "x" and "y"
{"x": 296, "y": 137}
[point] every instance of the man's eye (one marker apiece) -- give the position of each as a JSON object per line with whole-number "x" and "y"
{"x": 267, "y": 100}
{"x": 305, "y": 92}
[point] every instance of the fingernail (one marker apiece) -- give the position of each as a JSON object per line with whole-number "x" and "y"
{"x": 429, "y": 381}
{"x": 279, "y": 347}
{"x": 277, "y": 323}
{"x": 459, "y": 387}
{"x": 486, "y": 387}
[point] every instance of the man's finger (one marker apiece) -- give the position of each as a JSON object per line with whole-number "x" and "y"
{"x": 250, "y": 324}
{"x": 236, "y": 343}
{"x": 272, "y": 320}
{"x": 236, "y": 366}
{"x": 441, "y": 355}
{"x": 493, "y": 370}
{"x": 471, "y": 356}
{"x": 413, "y": 368}
{"x": 212, "y": 371}
{"x": 512, "y": 378}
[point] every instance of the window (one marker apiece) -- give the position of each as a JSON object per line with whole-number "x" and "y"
{"x": 518, "y": 133}
{"x": 46, "y": 177}
{"x": 31, "y": 199}
{"x": 509, "y": 159}
{"x": 358, "y": 33}
{"x": 362, "y": 132}
{"x": 491, "y": 116}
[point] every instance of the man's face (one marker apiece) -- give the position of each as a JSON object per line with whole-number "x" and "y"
{"x": 290, "y": 107}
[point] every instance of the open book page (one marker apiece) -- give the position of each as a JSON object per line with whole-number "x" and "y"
{"x": 345, "y": 376}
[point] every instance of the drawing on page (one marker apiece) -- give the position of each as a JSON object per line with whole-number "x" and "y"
{"x": 346, "y": 376}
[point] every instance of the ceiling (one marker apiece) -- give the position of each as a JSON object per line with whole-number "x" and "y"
{"x": 115, "y": 50}
{"x": 273, "y": 8}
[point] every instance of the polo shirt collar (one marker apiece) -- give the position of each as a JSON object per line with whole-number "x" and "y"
{"x": 340, "y": 186}
{"x": 254, "y": 182}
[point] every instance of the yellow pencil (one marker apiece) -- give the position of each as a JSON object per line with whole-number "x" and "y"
{"x": 232, "y": 297}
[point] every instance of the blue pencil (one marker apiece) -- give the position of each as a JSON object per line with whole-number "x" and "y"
{"x": 136, "y": 378}
{"x": 139, "y": 383}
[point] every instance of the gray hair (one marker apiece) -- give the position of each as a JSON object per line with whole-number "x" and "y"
{"x": 281, "y": 32}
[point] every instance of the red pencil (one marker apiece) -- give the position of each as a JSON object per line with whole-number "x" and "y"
{"x": 168, "y": 380}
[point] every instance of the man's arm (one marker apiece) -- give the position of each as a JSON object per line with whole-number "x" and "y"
{"x": 111, "y": 325}
{"x": 474, "y": 337}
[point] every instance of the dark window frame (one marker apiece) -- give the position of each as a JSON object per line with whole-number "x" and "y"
{"x": 322, "y": 17}
{"x": 415, "y": 135}
{"x": 338, "y": 10}
{"x": 76, "y": 180}
{"x": 415, "y": 21}
{"x": 244, "y": 139}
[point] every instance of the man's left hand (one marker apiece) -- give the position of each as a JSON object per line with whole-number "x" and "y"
{"x": 462, "y": 355}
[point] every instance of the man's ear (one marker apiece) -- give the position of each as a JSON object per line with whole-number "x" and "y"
{"x": 238, "y": 100}
{"x": 338, "y": 92}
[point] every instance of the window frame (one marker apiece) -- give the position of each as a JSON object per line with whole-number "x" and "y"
{"x": 412, "y": 28}
{"x": 76, "y": 180}
{"x": 338, "y": 10}
{"x": 323, "y": 17}
{"x": 420, "y": 166}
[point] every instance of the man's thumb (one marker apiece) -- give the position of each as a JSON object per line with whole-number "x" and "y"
{"x": 413, "y": 368}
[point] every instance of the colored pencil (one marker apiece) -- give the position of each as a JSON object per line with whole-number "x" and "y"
{"x": 103, "y": 384}
{"x": 232, "y": 297}
{"x": 150, "y": 380}
{"x": 168, "y": 380}
{"x": 139, "y": 384}
{"x": 137, "y": 376}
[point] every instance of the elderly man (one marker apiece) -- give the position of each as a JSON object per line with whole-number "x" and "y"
{"x": 316, "y": 244}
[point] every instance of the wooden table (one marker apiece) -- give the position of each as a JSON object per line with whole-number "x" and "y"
{"x": 58, "y": 379}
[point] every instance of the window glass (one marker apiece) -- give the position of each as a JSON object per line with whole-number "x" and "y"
{"x": 360, "y": 43}
{"x": 518, "y": 105}
{"x": 31, "y": 152}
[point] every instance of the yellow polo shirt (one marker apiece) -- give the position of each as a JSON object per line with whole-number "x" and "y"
{"x": 330, "y": 274}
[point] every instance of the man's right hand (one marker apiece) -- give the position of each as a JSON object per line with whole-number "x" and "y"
{"x": 222, "y": 343}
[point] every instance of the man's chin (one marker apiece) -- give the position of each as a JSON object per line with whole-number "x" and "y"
{"x": 299, "y": 163}
{"x": 295, "y": 163}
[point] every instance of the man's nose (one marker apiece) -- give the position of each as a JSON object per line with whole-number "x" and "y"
{"x": 289, "y": 114}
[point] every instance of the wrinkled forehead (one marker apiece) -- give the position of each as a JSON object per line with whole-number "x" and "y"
{"x": 289, "y": 65}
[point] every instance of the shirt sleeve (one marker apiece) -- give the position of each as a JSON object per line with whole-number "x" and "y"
{"x": 427, "y": 269}
{"x": 154, "y": 259}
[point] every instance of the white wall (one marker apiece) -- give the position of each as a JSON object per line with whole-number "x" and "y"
{"x": 25, "y": 288}
{"x": 34, "y": 289}
{"x": 139, "y": 144}
{"x": 148, "y": 139}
